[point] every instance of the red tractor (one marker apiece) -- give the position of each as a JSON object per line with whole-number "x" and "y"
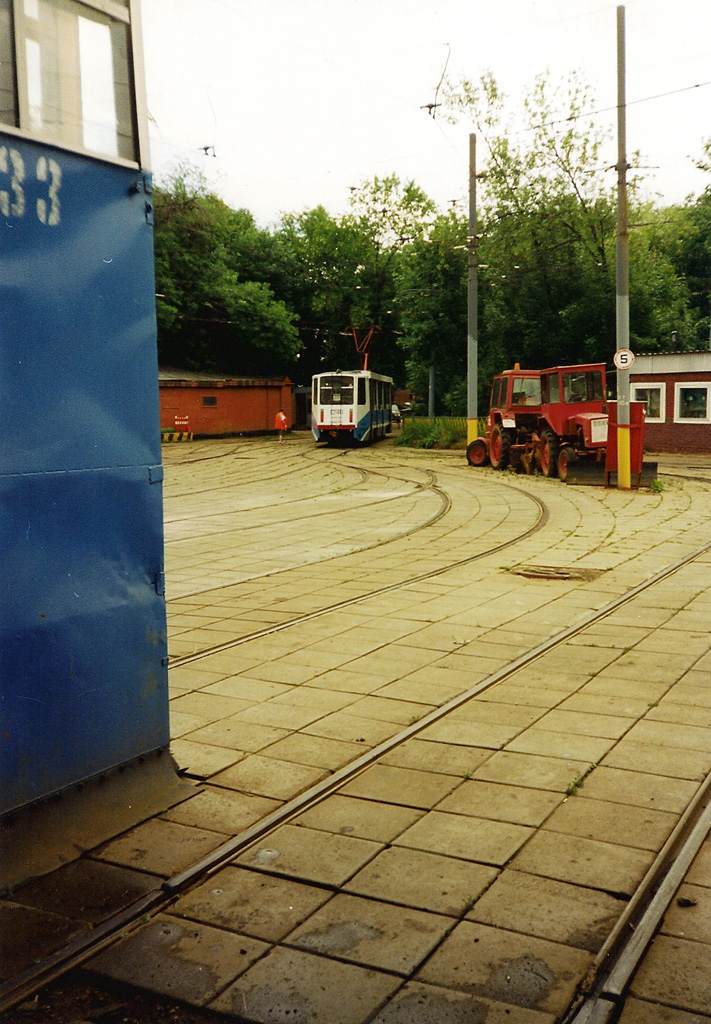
{"x": 545, "y": 419}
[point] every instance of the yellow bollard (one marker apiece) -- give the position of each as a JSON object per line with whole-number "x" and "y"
{"x": 624, "y": 472}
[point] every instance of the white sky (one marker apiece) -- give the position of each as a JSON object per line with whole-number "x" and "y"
{"x": 302, "y": 99}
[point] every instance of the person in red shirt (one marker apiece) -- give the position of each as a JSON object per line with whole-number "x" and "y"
{"x": 280, "y": 424}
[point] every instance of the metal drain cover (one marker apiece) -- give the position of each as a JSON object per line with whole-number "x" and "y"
{"x": 555, "y": 572}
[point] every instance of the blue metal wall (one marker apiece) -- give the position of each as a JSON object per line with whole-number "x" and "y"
{"x": 83, "y": 676}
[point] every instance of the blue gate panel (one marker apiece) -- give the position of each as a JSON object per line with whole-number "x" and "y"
{"x": 83, "y": 676}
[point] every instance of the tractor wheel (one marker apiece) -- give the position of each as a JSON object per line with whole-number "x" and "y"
{"x": 477, "y": 455}
{"x": 499, "y": 447}
{"x": 548, "y": 453}
{"x": 567, "y": 456}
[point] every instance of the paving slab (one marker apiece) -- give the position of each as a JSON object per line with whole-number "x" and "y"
{"x": 86, "y": 890}
{"x": 463, "y": 732}
{"x": 447, "y": 759}
{"x": 267, "y": 776}
{"x": 549, "y": 909}
{"x": 290, "y": 985}
{"x": 182, "y": 959}
{"x": 675, "y": 972}
{"x": 344, "y": 726}
{"x": 586, "y": 862}
{"x": 202, "y": 759}
{"x": 160, "y": 847}
{"x": 507, "y": 967}
{"x": 366, "y": 819}
{"x": 406, "y": 786}
{"x": 220, "y": 810}
{"x": 368, "y": 932}
{"x": 520, "y": 769}
{"x": 636, "y": 1011}
{"x": 644, "y": 828}
{"x": 651, "y": 758}
{"x": 282, "y": 716}
{"x": 208, "y": 706}
{"x": 318, "y": 751}
{"x": 638, "y": 789}
{"x": 251, "y": 903}
{"x": 429, "y": 881}
{"x": 470, "y": 838}
{"x": 689, "y": 915}
{"x": 501, "y": 803}
{"x": 311, "y": 854}
{"x": 237, "y": 734}
{"x": 27, "y": 935}
{"x": 539, "y": 740}
{"x": 416, "y": 1003}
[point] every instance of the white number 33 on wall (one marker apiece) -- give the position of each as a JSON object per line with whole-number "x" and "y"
{"x": 12, "y": 198}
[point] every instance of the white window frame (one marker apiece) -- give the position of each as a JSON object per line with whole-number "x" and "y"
{"x": 648, "y": 385}
{"x": 678, "y": 385}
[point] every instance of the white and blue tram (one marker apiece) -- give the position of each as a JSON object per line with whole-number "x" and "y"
{"x": 351, "y": 407}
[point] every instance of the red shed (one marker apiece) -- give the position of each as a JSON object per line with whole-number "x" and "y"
{"x": 676, "y": 389}
{"x": 207, "y": 404}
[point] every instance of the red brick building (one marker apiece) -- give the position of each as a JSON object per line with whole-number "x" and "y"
{"x": 209, "y": 404}
{"x": 676, "y": 388}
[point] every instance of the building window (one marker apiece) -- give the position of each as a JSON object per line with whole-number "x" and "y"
{"x": 209, "y": 400}
{"x": 691, "y": 403}
{"x": 654, "y": 397}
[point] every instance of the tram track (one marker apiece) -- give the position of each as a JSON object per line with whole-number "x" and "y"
{"x": 606, "y": 981}
{"x": 390, "y": 588}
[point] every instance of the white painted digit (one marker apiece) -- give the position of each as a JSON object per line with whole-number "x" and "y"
{"x": 49, "y": 170}
{"x": 12, "y": 205}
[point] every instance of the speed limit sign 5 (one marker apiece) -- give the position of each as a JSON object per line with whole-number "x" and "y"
{"x": 623, "y": 358}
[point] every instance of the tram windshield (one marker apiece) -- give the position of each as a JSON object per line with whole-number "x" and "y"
{"x": 337, "y": 390}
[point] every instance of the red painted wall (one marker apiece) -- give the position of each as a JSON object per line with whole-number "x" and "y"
{"x": 670, "y": 436}
{"x": 243, "y": 407}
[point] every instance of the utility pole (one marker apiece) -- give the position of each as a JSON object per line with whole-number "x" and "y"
{"x": 622, "y": 354}
{"x": 472, "y": 304}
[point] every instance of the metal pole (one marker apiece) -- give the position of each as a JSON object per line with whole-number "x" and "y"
{"x": 623, "y": 267}
{"x": 431, "y": 398}
{"x": 472, "y": 304}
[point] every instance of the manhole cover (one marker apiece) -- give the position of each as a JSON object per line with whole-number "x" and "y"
{"x": 555, "y": 572}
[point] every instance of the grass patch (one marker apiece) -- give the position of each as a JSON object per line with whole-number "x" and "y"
{"x": 440, "y": 432}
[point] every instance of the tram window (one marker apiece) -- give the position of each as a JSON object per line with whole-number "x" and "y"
{"x": 361, "y": 391}
{"x": 78, "y": 77}
{"x": 8, "y": 93}
{"x": 336, "y": 390}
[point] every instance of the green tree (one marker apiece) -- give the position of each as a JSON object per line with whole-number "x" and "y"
{"x": 214, "y": 313}
{"x": 548, "y": 216}
{"x": 431, "y": 289}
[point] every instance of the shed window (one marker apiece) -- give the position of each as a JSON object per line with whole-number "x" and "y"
{"x": 209, "y": 400}
{"x": 654, "y": 398}
{"x": 691, "y": 403}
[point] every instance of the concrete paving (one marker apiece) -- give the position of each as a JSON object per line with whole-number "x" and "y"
{"x": 473, "y": 871}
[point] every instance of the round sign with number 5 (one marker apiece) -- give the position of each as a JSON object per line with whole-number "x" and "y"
{"x": 623, "y": 358}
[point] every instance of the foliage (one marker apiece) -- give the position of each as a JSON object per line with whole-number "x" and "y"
{"x": 431, "y": 284}
{"x": 237, "y": 299}
{"x": 440, "y": 432}
{"x": 214, "y": 312}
